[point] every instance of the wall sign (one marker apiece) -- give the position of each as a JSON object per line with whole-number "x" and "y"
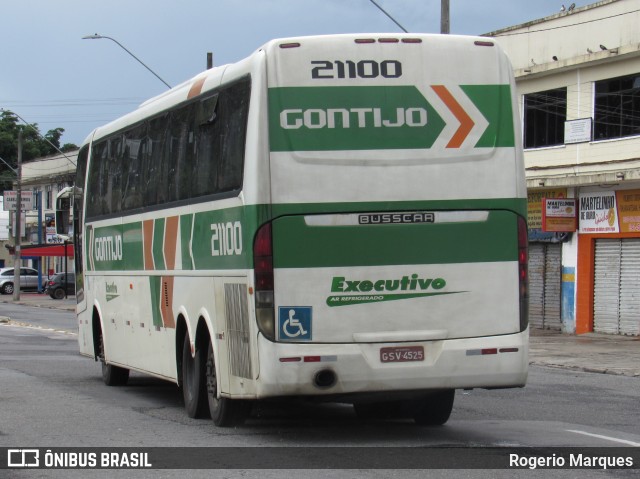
{"x": 577, "y": 131}
{"x": 598, "y": 212}
{"x": 559, "y": 215}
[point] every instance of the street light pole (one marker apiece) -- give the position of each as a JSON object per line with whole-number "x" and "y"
{"x": 444, "y": 17}
{"x": 96, "y": 36}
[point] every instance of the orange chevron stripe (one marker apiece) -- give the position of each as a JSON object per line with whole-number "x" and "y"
{"x": 170, "y": 241}
{"x": 466, "y": 123}
{"x": 147, "y": 238}
{"x": 196, "y": 88}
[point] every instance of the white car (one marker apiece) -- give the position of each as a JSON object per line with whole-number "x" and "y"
{"x": 28, "y": 280}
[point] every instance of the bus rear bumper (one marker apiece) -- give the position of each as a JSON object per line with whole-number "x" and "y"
{"x": 288, "y": 369}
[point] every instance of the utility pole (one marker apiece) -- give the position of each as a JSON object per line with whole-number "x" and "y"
{"x": 444, "y": 17}
{"x": 18, "y": 226}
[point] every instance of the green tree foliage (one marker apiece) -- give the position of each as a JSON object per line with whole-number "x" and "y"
{"x": 33, "y": 145}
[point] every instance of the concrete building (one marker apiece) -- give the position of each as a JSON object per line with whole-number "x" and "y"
{"x": 578, "y": 81}
{"x": 45, "y": 177}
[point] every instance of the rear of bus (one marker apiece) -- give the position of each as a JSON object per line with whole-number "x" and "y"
{"x": 394, "y": 261}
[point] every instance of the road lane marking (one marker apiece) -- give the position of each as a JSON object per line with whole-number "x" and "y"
{"x": 607, "y": 438}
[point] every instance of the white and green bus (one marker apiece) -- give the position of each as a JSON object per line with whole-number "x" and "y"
{"x": 335, "y": 217}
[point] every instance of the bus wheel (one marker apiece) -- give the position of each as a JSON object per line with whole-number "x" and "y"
{"x": 112, "y": 375}
{"x": 225, "y": 412}
{"x": 193, "y": 380}
{"x": 434, "y": 410}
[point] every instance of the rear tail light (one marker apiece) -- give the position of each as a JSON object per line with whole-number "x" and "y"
{"x": 263, "y": 270}
{"x": 523, "y": 274}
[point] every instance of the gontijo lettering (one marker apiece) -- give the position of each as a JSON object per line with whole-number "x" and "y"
{"x": 108, "y": 248}
{"x": 315, "y": 118}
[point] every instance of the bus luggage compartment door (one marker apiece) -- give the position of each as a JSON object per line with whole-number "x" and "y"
{"x": 415, "y": 276}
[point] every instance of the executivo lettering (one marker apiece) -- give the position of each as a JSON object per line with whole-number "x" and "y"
{"x": 379, "y": 290}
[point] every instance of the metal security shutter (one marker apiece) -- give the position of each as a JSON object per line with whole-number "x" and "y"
{"x": 630, "y": 287}
{"x": 545, "y": 274}
{"x": 606, "y": 288}
{"x": 536, "y": 285}
{"x": 616, "y": 295}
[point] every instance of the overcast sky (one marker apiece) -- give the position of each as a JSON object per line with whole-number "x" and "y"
{"x": 50, "y": 76}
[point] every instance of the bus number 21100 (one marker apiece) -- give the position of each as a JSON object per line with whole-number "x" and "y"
{"x": 351, "y": 69}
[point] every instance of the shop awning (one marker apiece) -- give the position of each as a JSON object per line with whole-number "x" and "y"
{"x": 38, "y": 250}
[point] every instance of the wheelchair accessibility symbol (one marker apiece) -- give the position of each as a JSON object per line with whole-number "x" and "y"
{"x": 294, "y": 323}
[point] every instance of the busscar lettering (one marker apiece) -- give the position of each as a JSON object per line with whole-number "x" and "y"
{"x": 395, "y": 218}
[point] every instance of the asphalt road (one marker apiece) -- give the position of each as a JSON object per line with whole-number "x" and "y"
{"x": 49, "y": 318}
{"x": 52, "y": 397}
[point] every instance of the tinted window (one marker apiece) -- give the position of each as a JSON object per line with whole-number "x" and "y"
{"x": 192, "y": 151}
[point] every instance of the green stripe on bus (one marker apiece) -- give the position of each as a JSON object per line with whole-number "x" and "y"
{"x": 158, "y": 243}
{"x": 374, "y": 117}
{"x": 186, "y": 222}
{"x": 223, "y": 239}
{"x": 351, "y": 118}
{"x": 154, "y": 287}
{"x": 133, "y": 252}
{"x": 494, "y": 102}
{"x": 297, "y": 245}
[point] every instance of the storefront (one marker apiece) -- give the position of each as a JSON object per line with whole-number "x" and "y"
{"x": 545, "y": 265}
{"x": 608, "y": 293}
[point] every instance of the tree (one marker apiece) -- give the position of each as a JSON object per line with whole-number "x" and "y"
{"x": 33, "y": 145}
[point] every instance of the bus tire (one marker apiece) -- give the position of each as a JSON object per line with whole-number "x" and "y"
{"x": 225, "y": 412}
{"x": 194, "y": 391}
{"x": 112, "y": 375}
{"x": 435, "y": 409}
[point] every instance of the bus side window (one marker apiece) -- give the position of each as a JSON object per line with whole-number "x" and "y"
{"x": 206, "y": 152}
{"x": 114, "y": 174}
{"x": 156, "y": 180}
{"x": 234, "y": 110}
{"x": 96, "y": 201}
{"x": 132, "y": 170}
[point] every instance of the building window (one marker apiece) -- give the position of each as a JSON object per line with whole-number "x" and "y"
{"x": 544, "y": 115}
{"x": 617, "y": 108}
{"x": 47, "y": 198}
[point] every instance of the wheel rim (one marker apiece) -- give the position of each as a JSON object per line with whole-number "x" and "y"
{"x": 8, "y": 288}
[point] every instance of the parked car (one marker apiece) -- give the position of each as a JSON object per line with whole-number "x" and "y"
{"x": 28, "y": 280}
{"x": 61, "y": 284}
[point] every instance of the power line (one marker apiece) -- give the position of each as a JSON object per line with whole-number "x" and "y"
{"x": 388, "y": 15}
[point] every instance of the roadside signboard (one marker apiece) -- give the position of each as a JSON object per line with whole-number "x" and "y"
{"x": 11, "y": 198}
{"x": 559, "y": 214}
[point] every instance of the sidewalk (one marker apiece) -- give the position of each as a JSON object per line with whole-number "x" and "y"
{"x": 592, "y": 352}
{"x": 40, "y": 300}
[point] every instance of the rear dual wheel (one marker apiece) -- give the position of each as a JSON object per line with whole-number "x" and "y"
{"x": 200, "y": 389}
